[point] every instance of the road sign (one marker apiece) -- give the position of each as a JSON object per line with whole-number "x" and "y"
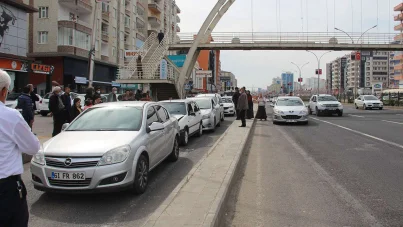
{"x": 204, "y": 73}
{"x": 357, "y": 56}
{"x": 299, "y": 79}
{"x": 318, "y": 70}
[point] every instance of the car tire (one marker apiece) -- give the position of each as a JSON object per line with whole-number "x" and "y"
{"x": 222, "y": 117}
{"x": 185, "y": 138}
{"x": 381, "y": 108}
{"x": 364, "y": 107}
{"x": 317, "y": 112}
{"x": 141, "y": 175}
{"x": 200, "y": 132}
{"x": 174, "y": 156}
{"x": 356, "y": 106}
{"x": 309, "y": 111}
{"x": 340, "y": 114}
{"x": 44, "y": 114}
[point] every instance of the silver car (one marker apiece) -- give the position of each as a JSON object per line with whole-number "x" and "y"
{"x": 109, "y": 146}
{"x": 289, "y": 109}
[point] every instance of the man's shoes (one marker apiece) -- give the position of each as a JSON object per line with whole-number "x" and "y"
{"x": 242, "y": 126}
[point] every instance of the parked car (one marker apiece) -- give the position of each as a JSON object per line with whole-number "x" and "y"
{"x": 218, "y": 102}
{"x": 189, "y": 117}
{"x": 210, "y": 112}
{"x": 12, "y": 100}
{"x": 229, "y": 106}
{"x": 325, "y": 104}
{"x": 368, "y": 102}
{"x": 44, "y": 105}
{"x": 112, "y": 154}
{"x": 289, "y": 109}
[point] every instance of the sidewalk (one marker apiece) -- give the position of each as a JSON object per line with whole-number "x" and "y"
{"x": 199, "y": 198}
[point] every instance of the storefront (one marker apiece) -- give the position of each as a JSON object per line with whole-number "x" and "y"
{"x": 18, "y": 71}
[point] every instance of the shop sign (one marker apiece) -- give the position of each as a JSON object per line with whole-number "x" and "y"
{"x": 130, "y": 53}
{"x": 204, "y": 73}
{"x": 178, "y": 60}
{"x": 42, "y": 69}
{"x": 80, "y": 80}
{"x": 114, "y": 84}
{"x": 13, "y": 65}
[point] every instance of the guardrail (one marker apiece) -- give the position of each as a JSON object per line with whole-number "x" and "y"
{"x": 145, "y": 74}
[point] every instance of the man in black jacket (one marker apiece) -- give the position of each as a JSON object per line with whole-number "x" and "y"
{"x": 57, "y": 108}
{"x": 66, "y": 98}
{"x": 25, "y": 104}
{"x": 235, "y": 98}
{"x": 160, "y": 36}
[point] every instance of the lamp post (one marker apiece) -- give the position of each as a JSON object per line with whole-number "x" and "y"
{"x": 299, "y": 68}
{"x": 318, "y": 63}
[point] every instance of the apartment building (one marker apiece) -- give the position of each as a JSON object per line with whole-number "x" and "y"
{"x": 398, "y": 56}
{"x": 338, "y": 75}
{"x": 228, "y": 80}
{"x": 352, "y": 73}
{"x": 328, "y": 77}
{"x": 376, "y": 68}
{"x": 163, "y": 15}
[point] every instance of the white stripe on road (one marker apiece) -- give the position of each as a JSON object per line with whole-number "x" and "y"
{"x": 393, "y": 122}
{"x": 399, "y": 114}
{"x": 356, "y": 115}
{"x": 361, "y": 133}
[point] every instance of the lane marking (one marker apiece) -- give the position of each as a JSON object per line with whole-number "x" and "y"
{"x": 393, "y": 122}
{"x": 361, "y": 133}
{"x": 399, "y": 114}
{"x": 356, "y": 116}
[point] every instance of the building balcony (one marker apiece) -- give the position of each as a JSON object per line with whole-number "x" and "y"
{"x": 105, "y": 16}
{"x": 127, "y": 46}
{"x": 105, "y": 36}
{"x": 68, "y": 49}
{"x": 178, "y": 29}
{"x": 178, "y": 19}
{"x": 398, "y": 57}
{"x": 399, "y": 17}
{"x": 154, "y": 21}
{"x": 398, "y": 7}
{"x": 81, "y": 6}
{"x": 79, "y": 25}
{"x": 398, "y": 37}
{"x": 104, "y": 58}
{"x": 155, "y": 8}
{"x": 127, "y": 11}
{"x": 399, "y": 27}
{"x": 127, "y": 29}
{"x": 398, "y": 67}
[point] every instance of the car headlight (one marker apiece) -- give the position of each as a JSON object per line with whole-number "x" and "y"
{"x": 303, "y": 112}
{"x": 320, "y": 104}
{"x": 207, "y": 116}
{"x": 340, "y": 105}
{"x": 114, "y": 156}
{"x": 39, "y": 158}
{"x": 278, "y": 111}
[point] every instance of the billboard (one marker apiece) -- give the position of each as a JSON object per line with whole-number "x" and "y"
{"x": 178, "y": 60}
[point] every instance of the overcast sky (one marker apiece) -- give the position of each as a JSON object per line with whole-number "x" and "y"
{"x": 257, "y": 68}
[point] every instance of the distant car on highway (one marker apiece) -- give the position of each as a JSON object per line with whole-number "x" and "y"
{"x": 229, "y": 106}
{"x": 325, "y": 104}
{"x": 368, "y": 102}
{"x": 289, "y": 109}
{"x": 189, "y": 117}
{"x": 210, "y": 112}
{"x": 114, "y": 147}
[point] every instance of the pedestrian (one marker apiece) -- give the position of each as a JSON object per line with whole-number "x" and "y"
{"x": 34, "y": 99}
{"x": 98, "y": 100}
{"x": 57, "y": 108}
{"x": 88, "y": 104}
{"x": 138, "y": 95}
{"x": 132, "y": 96}
{"x": 89, "y": 93}
{"x": 291, "y": 93}
{"x": 126, "y": 96}
{"x": 139, "y": 67}
{"x": 249, "y": 113}
{"x": 160, "y": 36}
{"x": 112, "y": 97}
{"x": 15, "y": 138}
{"x": 66, "y": 98}
{"x": 235, "y": 98}
{"x": 25, "y": 104}
{"x": 261, "y": 111}
{"x": 76, "y": 108}
{"x": 97, "y": 94}
{"x": 242, "y": 106}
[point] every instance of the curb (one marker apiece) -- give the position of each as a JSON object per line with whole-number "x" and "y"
{"x": 234, "y": 170}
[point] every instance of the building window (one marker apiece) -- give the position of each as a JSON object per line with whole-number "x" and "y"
{"x": 96, "y": 45}
{"x": 115, "y": 33}
{"x": 115, "y": 12}
{"x": 65, "y": 36}
{"x": 42, "y": 37}
{"x": 113, "y": 51}
{"x": 44, "y": 12}
{"x": 105, "y": 7}
{"x": 127, "y": 21}
{"x": 140, "y": 11}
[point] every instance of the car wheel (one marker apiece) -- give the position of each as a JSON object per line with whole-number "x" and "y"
{"x": 340, "y": 114}
{"x": 141, "y": 177}
{"x": 200, "y": 133}
{"x": 185, "y": 138}
{"x": 309, "y": 111}
{"x": 356, "y": 106}
{"x": 44, "y": 114}
{"x": 222, "y": 117}
{"x": 274, "y": 122}
{"x": 317, "y": 112}
{"x": 364, "y": 107}
{"x": 174, "y": 156}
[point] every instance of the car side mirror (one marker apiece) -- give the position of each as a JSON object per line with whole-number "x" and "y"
{"x": 64, "y": 126}
{"x": 155, "y": 126}
{"x": 192, "y": 114}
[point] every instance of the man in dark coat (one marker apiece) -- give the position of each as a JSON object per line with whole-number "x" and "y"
{"x": 160, "y": 36}
{"x": 25, "y": 104}
{"x": 243, "y": 106}
{"x": 57, "y": 108}
{"x": 235, "y": 98}
{"x": 112, "y": 97}
{"x": 66, "y": 98}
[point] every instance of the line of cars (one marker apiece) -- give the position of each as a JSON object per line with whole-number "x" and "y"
{"x": 117, "y": 144}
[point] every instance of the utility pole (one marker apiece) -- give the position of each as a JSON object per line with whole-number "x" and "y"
{"x": 300, "y": 76}
{"x": 318, "y": 64}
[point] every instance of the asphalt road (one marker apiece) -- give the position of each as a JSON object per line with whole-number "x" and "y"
{"x": 113, "y": 209}
{"x": 336, "y": 171}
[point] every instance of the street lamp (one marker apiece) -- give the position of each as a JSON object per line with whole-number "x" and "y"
{"x": 318, "y": 63}
{"x": 300, "y": 86}
{"x": 338, "y": 29}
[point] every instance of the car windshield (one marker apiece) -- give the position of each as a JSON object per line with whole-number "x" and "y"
{"x": 13, "y": 96}
{"x": 175, "y": 107}
{"x": 326, "y": 98}
{"x": 204, "y": 103}
{"x": 289, "y": 102}
{"x": 109, "y": 119}
{"x": 370, "y": 97}
{"x": 227, "y": 100}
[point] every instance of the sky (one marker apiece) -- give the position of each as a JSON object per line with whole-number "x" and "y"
{"x": 258, "y": 68}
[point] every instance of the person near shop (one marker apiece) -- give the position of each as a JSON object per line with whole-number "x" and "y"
{"x": 25, "y": 104}
{"x": 66, "y": 98}
{"x": 96, "y": 95}
{"x": 291, "y": 93}
{"x": 76, "y": 108}
{"x": 139, "y": 67}
{"x": 160, "y": 36}
{"x": 112, "y": 97}
{"x": 243, "y": 106}
{"x": 33, "y": 96}
{"x": 15, "y": 138}
{"x": 132, "y": 96}
{"x": 249, "y": 113}
{"x": 261, "y": 111}
{"x": 126, "y": 96}
{"x": 88, "y": 104}
{"x": 57, "y": 108}
{"x": 235, "y": 98}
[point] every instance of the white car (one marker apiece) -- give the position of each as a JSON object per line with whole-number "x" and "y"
{"x": 209, "y": 111}
{"x": 189, "y": 117}
{"x": 325, "y": 104}
{"x": 368, "y": 102}
{"x": 12, "y": 101}
{"x": 43, "y": 106}
{"x": 218, "y": 102}
{"x": 229, "y": 106}
{"x": 289, "y": 109}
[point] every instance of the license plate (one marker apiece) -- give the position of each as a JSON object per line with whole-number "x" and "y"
{"x": 291, "y": 121}
{"x": 68, "y": 176}
{"x": 331, "y": 108}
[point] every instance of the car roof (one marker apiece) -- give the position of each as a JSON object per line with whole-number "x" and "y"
{"x": 177, "y": 100}
{"x": 227, "y": 97}
{"x": 207, "y": 95}
{"x": 201, "y": 98}
{"x": 323, "y": 95}
{"x": 288, "y": 97}
{"x": 125, "y": 103}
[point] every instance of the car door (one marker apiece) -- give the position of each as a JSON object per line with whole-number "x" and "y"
{"x": 169, "y": 134}
{"x": 156, "y": 139}
{"x": 198, "y": 117}
{"x": 359, "y": 101}
{"x": 193, "y": 122}
{"x": 216, "y": 110}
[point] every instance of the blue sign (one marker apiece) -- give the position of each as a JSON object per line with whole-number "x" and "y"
{"x": 188, "y": 87}
{"x": 131, "y": 86}
{"x": 163, "y": 69}
{"x": 114, "y": 84}
{"x": 178, "y": 60}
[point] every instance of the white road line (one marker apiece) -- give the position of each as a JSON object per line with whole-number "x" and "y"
{"x": 393, "y": 122}
{"x": 399, "y": 114}
{"x": 361, "y": 133}
{"x": 356, "y": 116}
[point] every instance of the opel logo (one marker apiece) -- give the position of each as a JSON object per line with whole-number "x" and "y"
{"x": 67, "y": 162}
{"x": 291, "y": 111}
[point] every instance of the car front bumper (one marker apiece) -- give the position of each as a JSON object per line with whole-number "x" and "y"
{"x": 331, "y": 110}
{"x": 290, "y": 118}
{"x": 229, "y": 111}
{"x": 370, "y": 105}
{"x": 208, "y": 124}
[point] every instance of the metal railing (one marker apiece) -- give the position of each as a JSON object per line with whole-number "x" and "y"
{"x": 295, "y": 37}
{"x": 153, "y": 62}
{"x": 172, "y": 73}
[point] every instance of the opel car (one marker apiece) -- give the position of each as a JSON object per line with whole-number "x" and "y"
{"x": 368, "y": 102}
{"x": 218, "y": 102}
{"x": 110, "y": 146}
{"x": 289, "y": 109}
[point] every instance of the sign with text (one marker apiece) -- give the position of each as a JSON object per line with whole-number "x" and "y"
{"x": 163, "y": 69}
{"x": 130, "y": 53}
{"x": 179, "y": 60}
{"x": 80, "y": 80}
{"x": 42, "y": 69}
{"x": 204, "y": 73}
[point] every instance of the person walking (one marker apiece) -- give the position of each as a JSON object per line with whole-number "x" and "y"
{"x": 66, "y": 98}
{"x": 242, "y": 106}
{"x": 76, "y": 108}
{"x": 160, "y": 36}
{"x": 34, "y": 99}
{"x": 235, "y": 98}
{"x": 112, "y": 97}
{"x": 132, "y": 97}
{"x": 138, "y": 95}
{"x": 139, "y": 67}
{"x": 57, "y": 108}
{"x": 15, "y": 138}
{"x": 25, "y": 104}
{"x": 261, "y": 111}
{"x": 249, "y": 114}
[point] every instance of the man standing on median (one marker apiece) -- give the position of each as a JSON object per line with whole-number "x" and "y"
{"x": 243, "y": 106}
{"x": 235, "y": 98}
